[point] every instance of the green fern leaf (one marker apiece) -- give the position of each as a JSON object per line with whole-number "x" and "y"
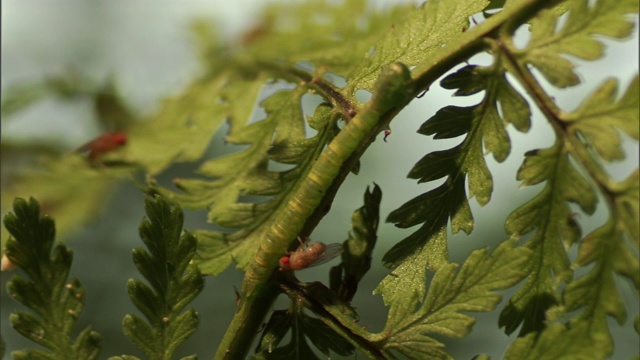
{"x": 414, "y": 36}
{"x": 362, "y": 40}
{"x": 57, "y": 304}
{"x": 174, "y": 282}
{"x": 556, "y": 342}
{"x": 608, "y": 249}
{"x": 274, "y": 331}
{"x": 486, "y": 129}
{"x": 262, "y": 207}
{"x": 601, "y": 114}
{"x": 575, "y": 37}
{"x": 626, "y": 195}
{"x": 337, "y": 35}
{"x": 549, "y": 215}
{"x": 470, "y": 289}
{"x": 194, "y": 115}
{"x": 254, "y": 178}
{"x": 566, "y": 184}
{"x": 356, "y": 255}
{"x": 251, "y": 175}
{"x": 434, "y": 208}
{"x": 245, "y": 172}
{"x": 501, "y": 97}
{"x": 217, "y": 251}
{"x": 393, "y": 90}
{"x": 302, "y": 326}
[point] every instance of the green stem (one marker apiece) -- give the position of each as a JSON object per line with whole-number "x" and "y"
{"x": 247, "y": 321}
{"x": 543, "y": 101}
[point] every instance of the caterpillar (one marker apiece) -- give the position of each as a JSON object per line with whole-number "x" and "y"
{"x": 392, "y": 90}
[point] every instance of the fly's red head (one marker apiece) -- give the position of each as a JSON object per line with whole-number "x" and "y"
{"x": 285, "y": 263}
{"x": 119, "y": 137}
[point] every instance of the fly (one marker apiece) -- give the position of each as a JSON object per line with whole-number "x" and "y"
{"x": 309, "y": 255}
{"x": 103, "y": 144}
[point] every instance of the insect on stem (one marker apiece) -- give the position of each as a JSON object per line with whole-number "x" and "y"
{"x": 309, "y": 255}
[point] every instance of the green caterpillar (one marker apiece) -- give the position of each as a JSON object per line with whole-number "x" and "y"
{"x": 392, "y": 90}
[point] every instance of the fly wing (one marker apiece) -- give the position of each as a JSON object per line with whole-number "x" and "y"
{"x": 88, "y": 146}
{"x": 330, "y": 252}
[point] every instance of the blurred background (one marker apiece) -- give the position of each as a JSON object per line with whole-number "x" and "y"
{"x": 145, "y": 45}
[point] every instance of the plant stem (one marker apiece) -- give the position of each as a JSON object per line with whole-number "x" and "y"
{"x": 247, "y": 321}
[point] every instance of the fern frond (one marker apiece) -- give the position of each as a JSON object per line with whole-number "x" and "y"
{"x": 337, "y": 35}
{"x": 303, "y": 328}
{"x": 278, "y": 138}
{"x": 581, "y": 137}
{"x": 56, "y": 303}
{"x": 555, "y": 229}
{"x": 484, "y": 127}
{"x": 189, "y": 121}
{"x": 414, "y": 36}
{"x": 601, "y": 115}
{"x": 174, "y": 282}
{"x": 412, "y": 322}
{"x": 357, "y": 249}
{"x": 548, "y": 213}
{"x": 575, "y": 37}
{"x": 611, "y": 248}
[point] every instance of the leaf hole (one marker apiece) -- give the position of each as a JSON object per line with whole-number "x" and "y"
{"x": 371, "y": 52}
{"x": 279, "y": 167}
{"x": 305, "y": 65}
{"x": 254, "y": 199}
{"x": 309, "y": 104}
{"x": 270, "y": 88}
{"x": 480, "y": 59}
{"x": 363, "y": 96}
{"x": 335, "y": 79}
{"x": 522, "y": 36}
